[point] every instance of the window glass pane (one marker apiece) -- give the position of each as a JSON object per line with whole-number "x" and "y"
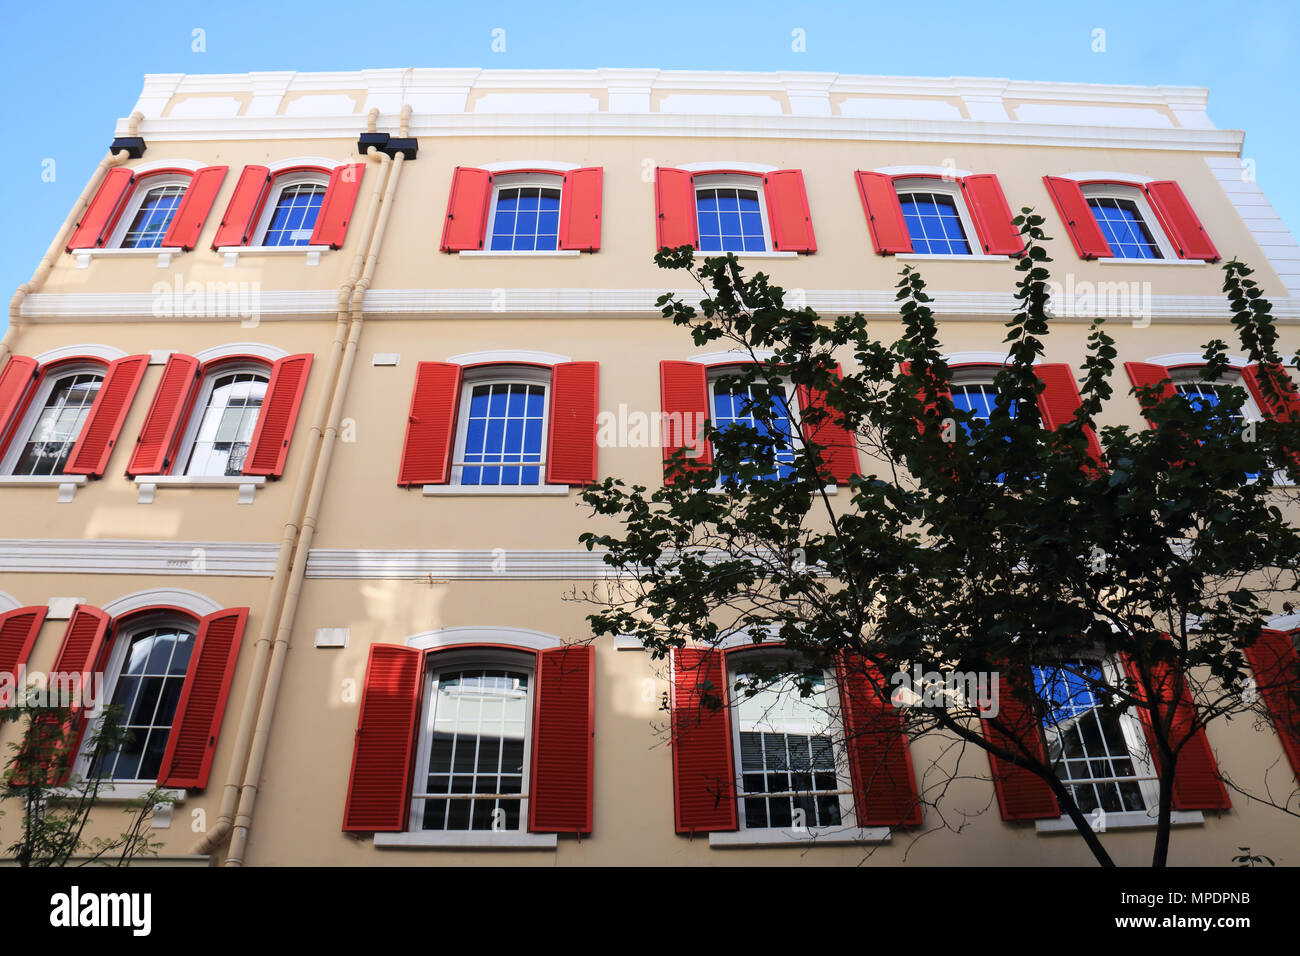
{"x": 226, "y": 428}
{"x": 150, "y": 223}
{"x": 505, "y": 427}
{"x": 59, "y": 425}
{"x": 1121, "y": 223}
{"x": 729, "y": 220}
{"x": 738, "y": 405}
{"x": 527, "y": 219}
{"x": 294, "y": 218}
{"x": 1206, "y": 395}
{"x": 934, "y": 223}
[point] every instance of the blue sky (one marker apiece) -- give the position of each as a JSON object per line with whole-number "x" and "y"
{"x": 74, "y": 68}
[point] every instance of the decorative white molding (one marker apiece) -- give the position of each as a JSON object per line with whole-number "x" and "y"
{"x": 164, "y": 256}
{"x": 269, "y": 352}
{"x": 945, "y": 171}
{"x": 148, "y": 167}
{"x": 1284, "y": 622}
{"x": 386, "y": 359}
{"x": 67, "y": 484}
{"x": 731, "y": 357}
{"x": 450, "y": 564}
{"x": 493, "y": 491}
{"x": 61, "y": 608}
{"x": 520, "y": 253}
{"x": 513, "y": 636}
{"x": 982, "y": 358}
{"x": 467, "y": 840}
{"x": 197, "y": 604}
{"x": 1194, "y": 358}
{"x": 8, "y": 602}
{"x": 504, "y": 356}
{"x": 115, "y": 556}
{"x": 757, "y": 168}
{"x": 1265, "y": 225}
{"x": 290, "y": 163}
{"x": 546, "y": 164}
{"x": 245, "y": 485}
{"x": 232, "y": 254}
{"x": 1107, "y": 174}
{"x": 809, "y": 836}
{"x": 627, "y": 642}
{"x": 106, "y": 352}
{"x": 332, "y": 636}
{"x": 1128, "y": 820}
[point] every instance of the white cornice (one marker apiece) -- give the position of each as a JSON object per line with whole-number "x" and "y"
{"x": 196, "y": 558}
{"x": 423, "y": 564}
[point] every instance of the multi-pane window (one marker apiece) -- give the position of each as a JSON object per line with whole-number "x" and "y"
{"x": 226, "y": 424}
{"x": 1202, "y": 395}
{"x": 748, "y": 406}
{"x": 934, "y": 223}
{"x": 978, "y": 398}
{"x": 526, "y": 219}
{"x": 787, "y": 759}
{"x": 145, "y": 696}
{"x": 730, "y": 219}
{"x": 1097, "y": 754}
{"x": 153, "y": 217}
{"x": 1124, "y": 227}
{"x": 293, "y": 219}
{"x": 502, "y": 434}
{"x": 51, "y": 439}
{"x": 477, "y": 732}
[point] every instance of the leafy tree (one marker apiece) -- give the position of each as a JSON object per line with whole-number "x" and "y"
{"x": 990, "y": 547}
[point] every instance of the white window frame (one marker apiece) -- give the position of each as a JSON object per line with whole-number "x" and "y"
{"x": 138, "y": 194}
{"x": 278, "y": 185}
{"x": 467, "y": 659}
{"x": 186, "y": 446}
{"x": 735, "y": 664}
{"x": 733, "y": 181}
{"x": 122, "y": 640}
{"x": 1250, "y": 411}
{"x": 952, "y": 189}
{"x": 516, "y": 181}
{"x": 1149, "y": 218}
{"x": 44, "y": 388}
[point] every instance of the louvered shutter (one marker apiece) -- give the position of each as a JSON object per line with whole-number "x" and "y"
{"x": 580, "y": 204}
{"x": 884, "y": 213}
{"x": 1143, "y": 374}
{"x": 200, "y": 194}
{"x": 840, "y": 451}
{"x": 80, "y": 653}
{"x": 431, "y": 425}
{"x": 676, "y": 223}
{"x": 18, "y": 631}
{"x": 1276, "y": 666}
{"x": 192, "y": 742}
{"x": 788, "y": 213}
{"x": 1087, "y": 237}
{"x": 1060, "y": 399}
{"x": 379, "y": 787}
{"x": 162, "y": 425}
{"x": 336, "y": 208}
{"x": 704, "y": 787}
{"x": 571, "y": 445}
{"x": 103, "y": 425}
{"x": 1022, "y": 794}
{"x": 93, "y": 227}
{"x": 240, "y": 218}
{"x": 1283, "y": 403}
{"x": 1181, "y": 223}
{"x": 992, "y": 216}
{"x": 279, "y": 412}
{"x": 684, "y": 395}
{"x": 880, "y": 762}
{"x": 467, "y": 209}
{"x": 560, "y": 783}
{"x": 18, "y": 375}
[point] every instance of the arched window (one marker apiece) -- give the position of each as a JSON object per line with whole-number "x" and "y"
{"x": 222, "y": 430}
{"x": 731, "y": 213}
{"x": 500, "y": 439}
{"x": 1127, "y": 221}
{"x": 525, "y": 212}
{"x": 757, "y": 406}
{"x": 150, "y": 212}
{"x": 936, "y": 216}
{"x": 292, "y": 210}
{"x": 54, "y": 422}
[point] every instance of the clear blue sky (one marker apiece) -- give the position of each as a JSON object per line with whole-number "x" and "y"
{"x": 72, "y": 69}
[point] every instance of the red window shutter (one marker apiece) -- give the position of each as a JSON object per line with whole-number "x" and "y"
{"x": 676, "y": 223}
{"x": 560, "y": 784}
{"x": 187, "y": 760}
{"x": 575, "y": 402}
{"x": 1145, "y": 373}
{"x": 1022, "y": 794}
{"x": 1276, "y": 664}
{"x": 336, "y": 208}
{"x": 161, "y": 430}
{"x": 788, "y": 213}
{"x": 98, "y": 436}
{"x": 1196, "y": 777}
{"x": 379, "y": 787}
{"x": 431, "y": 425}
{"x": 840, "y": 447}
{"x": 1089, "y": 242}
{"x": 279, "y": 412}
{"x": 880, "y": 762}
{"x": 240, "y": 218}
{"x": 704, "y": 777}
{"x": 83, "y": 646}
{"x": 580, "y": 201}
{"x": 92, "y": 229}
{"x": 1180, "y": 221}
{"x": 988, "y": 208}
{"x": 884, "y": 214}
{"x": 18, "y": 630}
{"x": 684, "y": 394}
{"x": 467, "y": 209}
{"x": 18, "y": 375}
{"x": 1060, "y": 399}
{"x": 1286, "y": 406}
{"x": 194, "y": 208}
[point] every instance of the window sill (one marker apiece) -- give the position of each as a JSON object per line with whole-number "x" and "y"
{"x": 467, "y": 840}
{"x": 232, "y": 253}
{"x": 951, "y": 257}
{"x": 1129, "y": 820}
{"x": 246, "y": 485}
{"x": 67, "y": 484}
{"x": 524, "y": 253}
{"x": 811, "y": 836}
{"x": 164, "y": 256}
{"x": 474, "y": 491}
{"x": 1152, "y": 262}
{"x": 121, "y": 793}
{"x": 748, "y": 255}
{"x": 719, "y": 490}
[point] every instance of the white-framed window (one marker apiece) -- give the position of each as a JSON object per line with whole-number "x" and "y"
{"x": 788, "y": 742}
{"x": 49, "y": 430}
{"x": 289, "y": 216}
{"x": 1127, "y": 221}
{"x": 471, "y": 770}
{"x": 1189, "y": 384}
{"x": 525, "y": 213}
{"x": 732, "y": 214}
{"x": 142, "y": 680}
{"x": 1101, "y": 756}
{"x": 501, "y": 431}
{"x": 220, "y": 429}
{"x": 938, "y": 221}
{"x": 149, "y": 212}
{"x": 745, "y": 405}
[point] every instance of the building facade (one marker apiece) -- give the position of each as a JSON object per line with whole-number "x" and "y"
{"x": 297, "y": 408}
